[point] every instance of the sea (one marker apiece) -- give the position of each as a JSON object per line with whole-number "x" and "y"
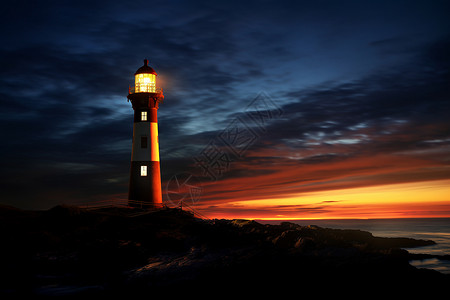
{"x": 435, "y": 229}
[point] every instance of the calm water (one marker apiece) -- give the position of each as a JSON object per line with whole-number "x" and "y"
{"x": 436, "y": 229}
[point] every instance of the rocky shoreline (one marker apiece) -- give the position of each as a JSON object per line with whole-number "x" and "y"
{"x": 67, "y": 251}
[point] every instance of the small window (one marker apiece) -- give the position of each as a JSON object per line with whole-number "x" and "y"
{"x": 143, "y": 116}
{"x": 143, "y": 142}
{"x": 143, "y": 170}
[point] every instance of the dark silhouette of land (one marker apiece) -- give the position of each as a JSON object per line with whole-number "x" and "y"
{"x": 75, "y": 252}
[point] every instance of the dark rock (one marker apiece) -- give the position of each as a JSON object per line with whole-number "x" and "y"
{"x": 304, "y": 244}
{"x": 287, "y": 239}
{"x": 73, "y": 251}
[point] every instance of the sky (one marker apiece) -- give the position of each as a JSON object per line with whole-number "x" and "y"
{"x": 272, "y": 109}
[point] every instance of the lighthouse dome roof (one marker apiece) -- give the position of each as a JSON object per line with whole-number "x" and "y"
{"x": 145, "y": 69}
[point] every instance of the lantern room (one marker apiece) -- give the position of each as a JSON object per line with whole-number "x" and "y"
{"x": 145, "y": 79}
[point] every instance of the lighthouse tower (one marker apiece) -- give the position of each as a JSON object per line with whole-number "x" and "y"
{"x": 145, "y": 175}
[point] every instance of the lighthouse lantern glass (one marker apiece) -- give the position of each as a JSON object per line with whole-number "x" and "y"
{"x": 145, "y": 83}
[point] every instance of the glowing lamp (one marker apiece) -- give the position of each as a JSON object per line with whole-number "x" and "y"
{"x": 144, "y": 80}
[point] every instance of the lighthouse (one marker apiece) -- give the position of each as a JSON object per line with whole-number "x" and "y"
{"x": 145, "y": 174}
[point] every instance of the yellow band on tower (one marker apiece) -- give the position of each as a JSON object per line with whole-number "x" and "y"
{"x": 154, "y": 141}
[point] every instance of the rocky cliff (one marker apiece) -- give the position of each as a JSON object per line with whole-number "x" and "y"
{"x": 69, "y": 251}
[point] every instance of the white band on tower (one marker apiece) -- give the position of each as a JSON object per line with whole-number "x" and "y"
{"x": 147, "y": 149}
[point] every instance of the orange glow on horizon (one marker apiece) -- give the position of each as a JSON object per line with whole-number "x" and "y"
{"x": 408, "y": 200}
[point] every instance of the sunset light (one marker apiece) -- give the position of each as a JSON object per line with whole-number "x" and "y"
{"x": 408, "y": 200}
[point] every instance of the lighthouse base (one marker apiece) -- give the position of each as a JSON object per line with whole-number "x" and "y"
{"x": 145, "y": 186}
{"x": 144, "y": 205}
